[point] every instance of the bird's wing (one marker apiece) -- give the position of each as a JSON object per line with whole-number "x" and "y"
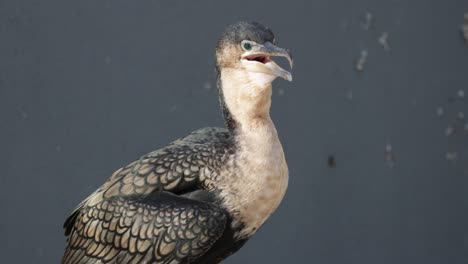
{"x": 175, "y": 168}
{"x": 158, "y": 228}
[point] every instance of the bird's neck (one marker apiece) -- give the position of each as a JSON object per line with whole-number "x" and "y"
{"x": 259, "y": 173}
{"x": 246, "y": 104}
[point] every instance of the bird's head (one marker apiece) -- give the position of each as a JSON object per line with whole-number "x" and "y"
{"x": 250, "y": 47}
{"x": 246, "y": 69}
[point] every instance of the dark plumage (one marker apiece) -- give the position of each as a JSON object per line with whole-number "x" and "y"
{"x": 185, "y": 203}
{"x": 254, "y": 31}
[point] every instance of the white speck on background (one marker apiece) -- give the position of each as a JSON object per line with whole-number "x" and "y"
{"x": 23, "y": 113}
{"x": 349, "y": 94}
{"x": 449, "y": 131}
{"x": 461, "y": 93}
{"x": 383, "y": 40}
{"x": 361, "y": 61}
{"x": 173, "y": 108}
{"x": 440, "y": 111}
{"x": 344, "y": 24}
{"x": 451, "y": 156}
{"x": 368, "y": 20}
{"x": 281, "y": 91}
{"x": 389, "y": 157}
{"x": 207, "y": 86}
{"x": 388, "y": 148}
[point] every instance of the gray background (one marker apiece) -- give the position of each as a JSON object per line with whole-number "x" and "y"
{"x": 88, "y": 86}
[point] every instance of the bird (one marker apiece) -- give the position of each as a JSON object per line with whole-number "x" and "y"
{"x": 199, "y": 199}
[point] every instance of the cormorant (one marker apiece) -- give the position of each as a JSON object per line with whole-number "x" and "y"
{"x": 201, "y": 198}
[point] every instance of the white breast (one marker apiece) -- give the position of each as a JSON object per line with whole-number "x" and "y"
{"x": 257, "y": 178}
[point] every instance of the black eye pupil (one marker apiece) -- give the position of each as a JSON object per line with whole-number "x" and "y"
{"x": 247, "y": 46}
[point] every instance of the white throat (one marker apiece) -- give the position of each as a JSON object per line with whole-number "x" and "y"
{"x": 261, "y": 79}
{"x": 257, "y": 180}
{"x": 247, "y": 95}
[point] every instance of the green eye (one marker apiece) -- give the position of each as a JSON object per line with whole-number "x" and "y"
{"x": 247, "y": 46}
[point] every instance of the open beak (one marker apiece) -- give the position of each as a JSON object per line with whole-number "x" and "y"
{"x": 258, "y": 59}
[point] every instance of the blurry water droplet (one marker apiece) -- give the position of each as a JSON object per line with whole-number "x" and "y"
{"x": 207, "y": 86}
{"x": 461, "y": 115}
{"x": 281, "y": 91}
{"x": 361, "y": 61}
{"x": 331, "y": 161}
{"x": 461, "y": 93}
{"x": 108, "y": 59}
{"x": 349, "y": 94}
{"x": 465, "y": 33}
{"x": 173, "y": 108}
{"x": 388, "y": 148}
{"x": 451, "y": 156}
{"x": 383, "y": 40}
{"x": 58, "y": 148}
{"x": 389, "y": 157}
{"x": 464, "y": 28}
{"x": 344, "y": 24}
{"x": 23, "y": 113}
{"x": 465, "y": 127}
{"x": 440, "y": 111}
{"x": 449, "y": 131}
{"x": 368, "y": 19}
